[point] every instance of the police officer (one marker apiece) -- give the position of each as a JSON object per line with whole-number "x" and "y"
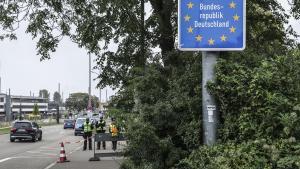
{"x": 87, "y": 135}
{"x": 100, "y": 128}
{"x": 114, "y": 130}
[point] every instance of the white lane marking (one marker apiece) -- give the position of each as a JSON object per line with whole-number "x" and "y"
{"x": 50, "y": 166}
{"x": 42, "y": 153}
{"x": 49, "y": 148}
{"x": 5, "y": 159}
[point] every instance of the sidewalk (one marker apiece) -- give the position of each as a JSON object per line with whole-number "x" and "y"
{"x": 80, "y": 160}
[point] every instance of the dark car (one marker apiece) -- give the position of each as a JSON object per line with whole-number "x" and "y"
{"x": 78, "y": 126}
{"x": 25, "y": 130}
{"x": 69, "y": 124}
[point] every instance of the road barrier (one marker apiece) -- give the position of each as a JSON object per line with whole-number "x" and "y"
{"x": 106, "y": 137}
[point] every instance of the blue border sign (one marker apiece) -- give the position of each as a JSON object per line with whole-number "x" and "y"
{"x": 211, "y": 25}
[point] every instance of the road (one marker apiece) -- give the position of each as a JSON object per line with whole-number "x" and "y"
{"x": 40, "y": 154}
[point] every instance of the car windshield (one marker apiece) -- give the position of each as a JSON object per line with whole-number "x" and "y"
{"x": 80, "y": 121}
{"x": 22, "y": 125}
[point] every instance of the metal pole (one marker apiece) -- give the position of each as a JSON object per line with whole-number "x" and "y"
{"x": 100, "y": 98}
{"x": 106, "y": 95}
{"x": 20, "y": 113}
{"x": 210, "y": 112}
{"x": 57, "y": 113}
{"x": 90, "y": 83}
{"x": 99, "y": 91}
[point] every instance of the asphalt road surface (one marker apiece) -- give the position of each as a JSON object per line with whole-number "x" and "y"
{"x": 40, "y": 154}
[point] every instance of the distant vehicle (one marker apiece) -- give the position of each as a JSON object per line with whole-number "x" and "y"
{"x": 69, "y": 123}
{"x": 25, "y": 130}
{"x": 78, "y": 126}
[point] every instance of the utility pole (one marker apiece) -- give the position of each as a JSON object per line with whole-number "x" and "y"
{"x": 210, "y": 112}
{"x": 0, "y": 84}
{"x": 106, "y": 95}
{"x": 99, "y": 91}
{"x": 59, "y": 88}
{"x": 90, "y": 83}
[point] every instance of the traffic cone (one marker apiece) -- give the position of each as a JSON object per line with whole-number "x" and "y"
{"x": 62, "y": 155}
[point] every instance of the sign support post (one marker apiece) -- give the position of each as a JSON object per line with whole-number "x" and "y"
{"x": 209, "y": 112}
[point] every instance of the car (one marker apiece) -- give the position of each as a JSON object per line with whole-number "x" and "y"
{"x": 78, "y": 126}
{"x": 69, "y": 123}
{"x": 25, "y": 130}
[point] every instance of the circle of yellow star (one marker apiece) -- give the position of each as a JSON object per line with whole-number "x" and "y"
{"x": 199, "y": 38}
{"x": 187, "y": 18}
{"x": 236, "y": 17}
{"x": 190, "y": 5}
{"x": 211, "y": 41}
{"x": 190, "y": 29}
{"x": 223, "y": 38}
{"x": 232, "y": 5}
{"x": 232, "y": 29}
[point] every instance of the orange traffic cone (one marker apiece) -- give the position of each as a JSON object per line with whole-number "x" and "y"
{"x": 62, "y": 155}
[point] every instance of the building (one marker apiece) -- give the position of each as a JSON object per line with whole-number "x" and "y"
{"x": 2, "y": 106}
{"x": 10, "y": 106}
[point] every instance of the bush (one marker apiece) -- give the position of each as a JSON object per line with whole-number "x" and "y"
{"x": 258, "y": 154}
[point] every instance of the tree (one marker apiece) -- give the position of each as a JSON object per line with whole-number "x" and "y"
{"x": 57, "y": 98}
{"x": 36, "y": 111}
{"x": 79, "y": 101}
{"x": 44, "y": 94}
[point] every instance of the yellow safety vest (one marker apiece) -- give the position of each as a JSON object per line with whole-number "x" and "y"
{"x": 113, "y": 130}
{"x": 87, "y": 127}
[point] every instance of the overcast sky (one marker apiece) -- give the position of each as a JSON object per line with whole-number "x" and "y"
{"x": 22, "y": 71}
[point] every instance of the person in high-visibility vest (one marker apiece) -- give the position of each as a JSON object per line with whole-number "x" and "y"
{"x": 100, "y": 128}
{"x": 114, "y": 130}
{"x": 87, "y": 133}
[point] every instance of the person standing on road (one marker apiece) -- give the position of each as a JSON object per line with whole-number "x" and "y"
{"x": 87, "y": 133}
{"x": 100, "y": 128}
{"x": 114, "y": 130}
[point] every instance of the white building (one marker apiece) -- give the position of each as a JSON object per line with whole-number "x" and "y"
{"x": 25, "y": 104}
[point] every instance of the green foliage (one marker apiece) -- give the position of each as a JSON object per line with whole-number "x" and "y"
{"x": 44, "y": 94}
{"x": 79, "y": 101}
{"x": 57, "y": 98}
{"x": 168, "y": 126}
{"x": 257, "y": 154}
{"x": 36, "y": 111}
{"x": 256, "y": 101}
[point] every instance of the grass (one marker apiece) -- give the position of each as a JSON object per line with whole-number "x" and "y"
{"x": 4, "y": 130}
